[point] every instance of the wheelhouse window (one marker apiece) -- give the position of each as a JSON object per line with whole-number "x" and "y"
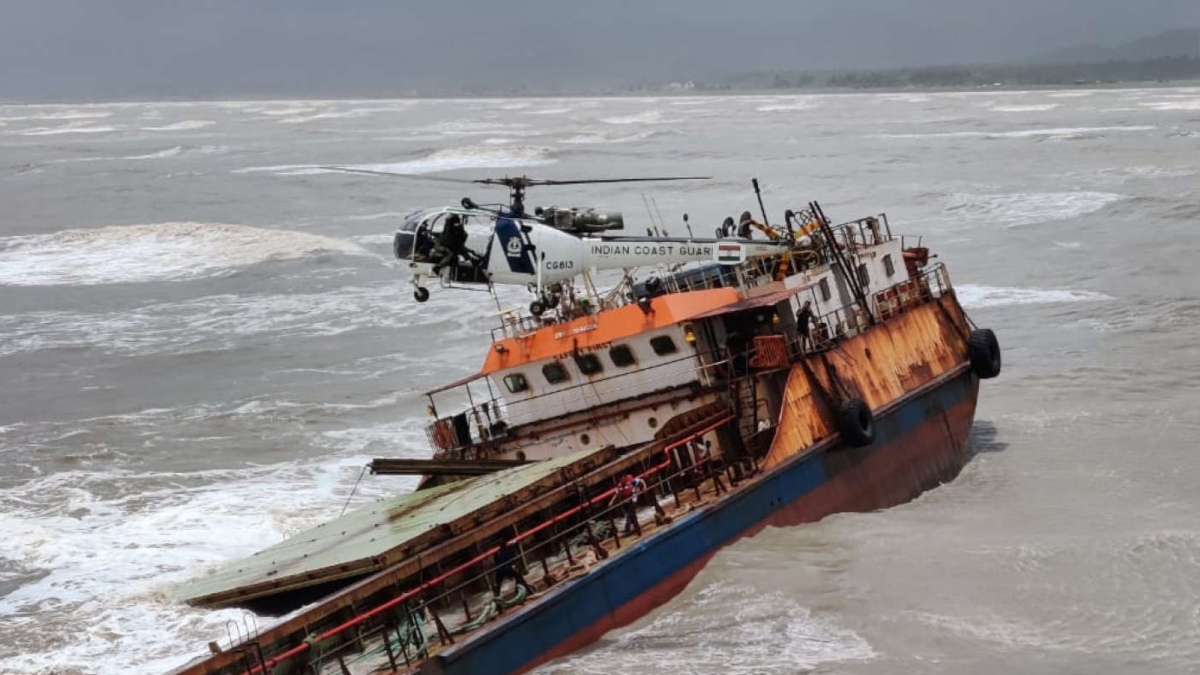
{"x": 864, "y": 276}
{"x": 622, "y": 356}
{"x": 825, "y": 292}
{"x": 516, "y": 383}
{"x": 888, "y": 265}
{"x": 555, "y": 373}
{"x": 663, "y": 345}
{"x": 589, "y": 364}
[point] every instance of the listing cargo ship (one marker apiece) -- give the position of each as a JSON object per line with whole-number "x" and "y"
{"x": 612, "y": 443}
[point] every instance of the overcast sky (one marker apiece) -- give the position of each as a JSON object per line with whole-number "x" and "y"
{"x": 107, "y": 49}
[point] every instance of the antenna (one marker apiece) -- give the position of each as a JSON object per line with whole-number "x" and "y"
{"x": 661, "y": 225}
{"x": 649, "y": 232}
{"x": 754, "y": 181}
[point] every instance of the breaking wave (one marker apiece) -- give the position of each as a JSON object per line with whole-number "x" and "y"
{"x": 605, "y": 139}
{"x": 1014, "y": 210}
{"x": 185, "y": 125}
{"x": 72, "y": 128}
{"x": 117, "y": 561}
{"x": 1058, "y": 132}
{"x": 1192, "y": 104}
{"x": 1034, "y": 107}
{"x": 474, "y": 157}
{"x": 648, "y": 117}
{"x": 179, "y": 150}
{"x": 787, "y": 107}
{"x": 159, "y": 252}
{"x": 973, "y": 296}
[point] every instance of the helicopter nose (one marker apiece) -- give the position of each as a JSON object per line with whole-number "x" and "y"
{"x": 402, "y": 245}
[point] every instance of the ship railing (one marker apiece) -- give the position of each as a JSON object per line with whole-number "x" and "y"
{"x": 863, "y": 232}
{"x": 430, "y": 614}
{"x": 850, "y": 320}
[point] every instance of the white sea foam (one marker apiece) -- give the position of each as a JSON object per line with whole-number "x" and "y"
{"x": 1071, "y": 94}
{"x": 377, "y": 216}
{"x": 284, "y": 112}
{"x": 647, "y": 117}
{"x": 375, "y": 239}
{"x": 161, "y": 154}
{"x": 185, "y": 125}
{"x": 725, "y": 628}
{"x": 973, "y": 296}
{"x": 1188, "y": 104}
{"x": 72, "y": 128}
{"x": 1033, "y": 107}
{"x": 74, "y": 115}
{"x": 473, "y": 157}
{"x": 328, "y": 115}
{"x": 787, "y": 107}
{"x": 118, "y": 561}
{"x": 1026, "y": 208}
{"x": 1062, "y": 132}
{"x": 605, "y": 139}
{"x": 178, "y": 150}
{"x": 218, "y": 322}
{"x": 159, "y": 252}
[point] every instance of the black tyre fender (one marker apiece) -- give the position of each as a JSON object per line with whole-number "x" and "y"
{"x": 536, "y": 308}
{"x": 984, "y": 352}
{"x": 856, "y": 423}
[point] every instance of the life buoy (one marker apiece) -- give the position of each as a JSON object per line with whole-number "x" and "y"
{"x": 856, "y": 423}
{"x": 984, "y": 352}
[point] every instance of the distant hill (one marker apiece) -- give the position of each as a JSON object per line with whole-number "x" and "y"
{"x": 1172, "y": 43}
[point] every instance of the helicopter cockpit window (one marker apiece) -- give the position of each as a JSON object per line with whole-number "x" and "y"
{"x": 555, "y": 373}
{"x": 516, "y": 383}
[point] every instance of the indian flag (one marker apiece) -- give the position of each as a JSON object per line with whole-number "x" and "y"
{"x": 730, "y": 254}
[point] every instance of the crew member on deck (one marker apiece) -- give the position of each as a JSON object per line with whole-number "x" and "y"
{"x": 627, "y": 494}
{"x": 803, "y": 320}
{"x": 506, "y": 560}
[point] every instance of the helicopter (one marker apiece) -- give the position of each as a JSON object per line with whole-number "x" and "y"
{"x": 472, "y": 245}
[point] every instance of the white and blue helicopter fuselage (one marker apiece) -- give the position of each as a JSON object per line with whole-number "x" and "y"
{"x": 505, "y": 249}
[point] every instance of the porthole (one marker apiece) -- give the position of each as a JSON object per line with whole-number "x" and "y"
{"x": 622, "y": 356}
{"x": 589, "y": 364}
{"x": 653, "y": 422}
{"x": 663, "y": 345}
{"x": 555, "y": 372}
{"x": 516, "y": 383}
{"x": 585, "y": 439}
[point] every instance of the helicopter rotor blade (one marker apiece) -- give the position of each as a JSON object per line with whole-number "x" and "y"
{"x": 396, "y": 174}
{"x": 528, "y": 182}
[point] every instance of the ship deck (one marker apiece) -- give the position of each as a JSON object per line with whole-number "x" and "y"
{"x": 368, "y": 539}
